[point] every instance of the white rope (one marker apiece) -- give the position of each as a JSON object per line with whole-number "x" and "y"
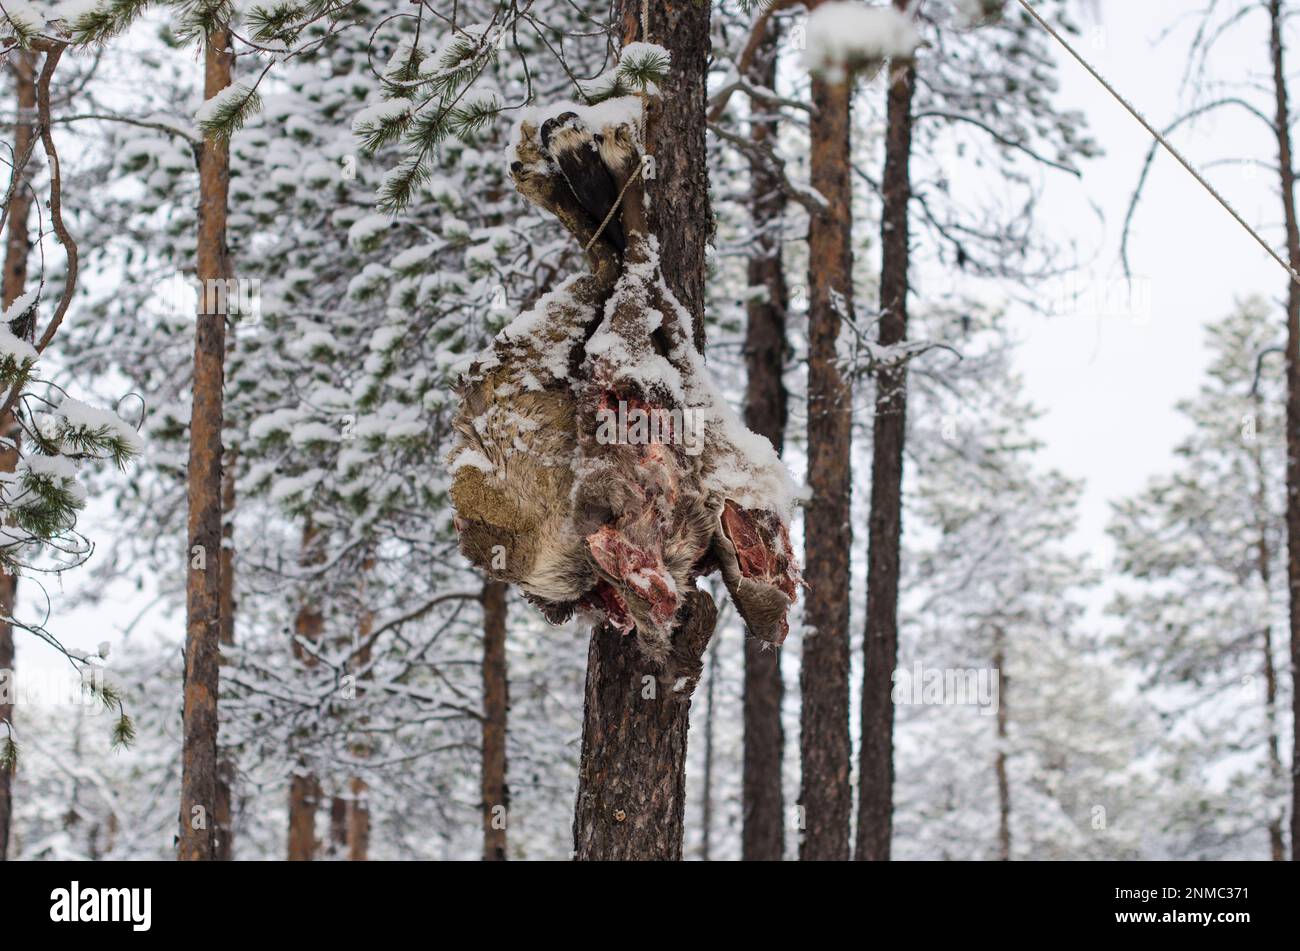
{"x": 1161, "y": 139}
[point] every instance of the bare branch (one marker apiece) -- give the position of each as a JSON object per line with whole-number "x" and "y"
{"x": 189, "y": 137}
{"x": 1000, "y": 139}
{"x": 810, "y": 199}
{"x": 1151, "y": 156}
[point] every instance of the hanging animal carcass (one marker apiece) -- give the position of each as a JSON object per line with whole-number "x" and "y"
{"x": 597, "y": 467}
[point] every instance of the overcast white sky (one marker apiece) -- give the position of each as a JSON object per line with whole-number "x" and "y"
{"x": 1107, "y": 382}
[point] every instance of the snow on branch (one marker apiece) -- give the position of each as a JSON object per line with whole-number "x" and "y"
{"x": 846, "y": 35}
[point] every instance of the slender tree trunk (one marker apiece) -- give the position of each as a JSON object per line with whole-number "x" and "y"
{"x": 1264, "y": 567}
{"x": 338, "y": 827}
{"x": 632, "y": 771}
{"x": 1000, "y": 758}
{"x": 706, "y": 820}
{"x": 304, "y": 800}
{"x": 304, "y": 789}
{"x": 1277, "y": 846}
{"x": 496, "y": 706}
{"x": 203, "y": 582}
{"x": 824, "y": 744}
{"x": 885, "y": 524}
{"x": 766, "y": 413}
{"x": 72, "y": 817}
{"x": 7, "y": 591}
{"x": 22, "y": 66}
{"x": 1287, "y": 171}
{"x": 225, "y": 764}
{"x": 359, "y": 801}
{"x": 359, "y": 821}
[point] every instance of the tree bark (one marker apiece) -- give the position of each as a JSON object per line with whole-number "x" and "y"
{"x": 197, "y": 839}
{"x": 632, "y": 771}
{"x": 1287, "y": 172}
{"x": 1000, "y": 757}
{"x": 496, "y": 706}
{"x": 304, "y": 789}
{"x": 885, "y": 524}
{"x": 1276, "y": 843}
{"x": 225, "y": 764}
{"x": 22, "y": 65}
{"x": 359, "y": 821}
{"x": 632, "y": 774}
{"x": 304, "y": 799}
{"x": 1264, "y": 567}
{"x": 359, "y": 801}
{"x": 706, "y": 819}
{"x": 350, "y": 815}
{"x": 338, "y": 827}
{"x": 766, "y": 413}
{"x": 680, "y": 216}
{"x": 824, "y": 744}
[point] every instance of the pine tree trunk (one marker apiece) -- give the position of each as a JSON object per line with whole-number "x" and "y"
{"x": 338, "y": 827}
{"x": 359, "y": 821}
{"x": 203, "y": 581}
{"x": 632, "y": 771}
{"x": 8, "y": 591}
{"x": 225, "y": 764}
{"x": 359, "y": 801}
{"x": 885, "y": 523}
{"x": 1264, "y": 567}
{"x": 304, "y": 799}
{"x": 824, "y": 745}
{"x": 706, "y": 818}
{"x": 17, "y": 247}
{"x": 766, "y": 412}
{"x": 1287, "y": 172}
{"x": 1277, "y": 845}
{"x": 304, "y": 789}
{"x": 632, "y": 774}
{"x": 1000, "y": 757}
{"x": 496, "y": 706}
{"x": 680, "y": 217}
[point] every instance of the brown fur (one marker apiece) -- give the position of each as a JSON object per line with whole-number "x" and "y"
{"x": 622, "y": 530}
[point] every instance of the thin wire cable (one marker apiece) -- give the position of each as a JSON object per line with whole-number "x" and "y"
{"x": 1161, "y": 139}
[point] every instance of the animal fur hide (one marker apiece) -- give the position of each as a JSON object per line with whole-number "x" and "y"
{"x": 554, "y": 494}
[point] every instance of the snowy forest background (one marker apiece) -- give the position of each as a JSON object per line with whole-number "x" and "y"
{"x": 1139, "y": 642}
